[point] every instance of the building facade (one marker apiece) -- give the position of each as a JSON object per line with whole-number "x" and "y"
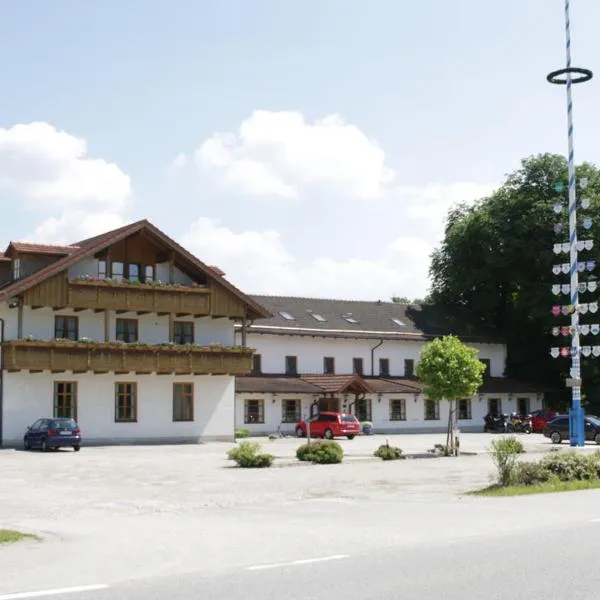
{"x": 127, "y": 332}
{"x": 361, "y": 357}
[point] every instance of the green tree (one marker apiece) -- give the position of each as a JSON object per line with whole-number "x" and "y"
{"x": 496, "y": 262}
{"x": 450, "y": 370}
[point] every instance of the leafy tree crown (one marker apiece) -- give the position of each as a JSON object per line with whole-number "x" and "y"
{"x": 449, "y": 369}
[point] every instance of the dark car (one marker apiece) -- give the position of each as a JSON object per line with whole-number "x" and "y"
{"x": 47, "y": 434}
{"x": 558, "y": 429}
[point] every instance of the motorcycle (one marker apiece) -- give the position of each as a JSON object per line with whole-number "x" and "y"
{"x": 494, "y": 423}
{"x": 520, "y": 424}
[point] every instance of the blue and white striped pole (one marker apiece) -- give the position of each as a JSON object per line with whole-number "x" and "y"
{"x": 576, "y": 426}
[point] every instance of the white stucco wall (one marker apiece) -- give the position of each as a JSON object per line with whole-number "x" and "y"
{"x": 152, "y": 328}
{"x": 29, "y": 396}
{"x": 311, "y": 350}
{"x": 415, "y": 412}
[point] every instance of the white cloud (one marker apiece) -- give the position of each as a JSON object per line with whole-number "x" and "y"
{"x": 258, "y": 262}
{"x": 280, "y": 154}
{"x": 51, "y": 171}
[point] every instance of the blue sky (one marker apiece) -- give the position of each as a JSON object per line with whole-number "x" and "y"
{"x": 446, "y": 98}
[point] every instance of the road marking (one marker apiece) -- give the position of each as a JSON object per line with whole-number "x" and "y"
{"x": 56, "y": 592}
{"x": 304, "y": 561}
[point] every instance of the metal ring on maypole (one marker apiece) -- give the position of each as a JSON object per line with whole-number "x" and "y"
{"x": 585, "y": 75}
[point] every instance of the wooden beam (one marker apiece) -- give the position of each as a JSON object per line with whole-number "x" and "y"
{"x": 162, "y": 314}
{"x": 20, "y": 320}
{"x": 56, "y": 308}
{"x": 79, "y": 371}
{"x": 36, "y": 306}
{"x": 121, "y": 311}
{"x": 36, "y": 370}
{"x": 98, "y": 310}
{"x": 57, "y": 370}
{"x": 182, "y": 314}
{"x": 79, "y": 309}
{"x": 142, "y": 312}
{"x": 172, "y": 267}
{"x": 171, "y": 327}
{"x": 107, "y": 325}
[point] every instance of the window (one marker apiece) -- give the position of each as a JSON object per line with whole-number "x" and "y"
{"x": 318, "y": 317}
{"x": 127, "y": 330}
{"x": 363, "y": 409}
{"x": 149, "y": 273}
{"x": 183, "y": 402}
{"x": 117, "y": 271}
{"x": 487, "y": 364}
{"x": 66, "y": 328}
{"x": 65, "y": 400}
{"x": 432, "y": 410}
{"x": 348, "y": 317}
{"x": 291, "y": 365}
{"x": 384, "y": 367}
{"x": 183, "y": 332}
{"x": 286, "y": 315}
{"x": 399, "y": 322}
{"x": 256, "y": 364}
{"x": 397, "y": 409}
{"x": 133, "y": 272}
{"x": 464, "y": 410}
{"x": 290, "y": 411}
{"x": 329, "y": 365}
{"x": 494, "y": 406}
{"x": 16, "y": 268}
{"x": 102, "y": 269}
{"x": 409, "y": 367}
{"x": 125, "y": 402}
{"x": 254, "y": 411}
{"x": 357, "y": 366}
{"x": 523, "y": 406}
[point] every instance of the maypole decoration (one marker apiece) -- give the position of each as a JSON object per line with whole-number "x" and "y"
{"x": 573, "y": 247}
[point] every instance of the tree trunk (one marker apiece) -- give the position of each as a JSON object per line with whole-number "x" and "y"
{"x": 451, "y": 437}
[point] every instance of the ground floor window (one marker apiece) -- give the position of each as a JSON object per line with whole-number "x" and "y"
{"x": 125, "y": 402}
{"x": 363, "y": 409}
{"x": 65, "y": 400}
{"x": 523, "y": 405}
{"x": 494, "y": 406}
{"x": 254, "y": 411}
{"x": 183, "y": 402}
{"x": 397, "y": 409}
{"x": 432, "y": 410}
{"x": 290, "y": 411}
{"x": 329, "y": 404}
{"x": 464, "y": 409}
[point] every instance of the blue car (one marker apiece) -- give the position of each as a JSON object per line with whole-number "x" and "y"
{"x": 47, "y": 434}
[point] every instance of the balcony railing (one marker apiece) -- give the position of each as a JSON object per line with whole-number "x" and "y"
{"x": 118, "y": 357}
{"x": 139, "y": 297}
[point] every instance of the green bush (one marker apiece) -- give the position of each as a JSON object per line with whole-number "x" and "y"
{"x": 273, "y": 436}
{"x": 530, "y": 473}
{"x": 387, "y": 452}
{"x": 504, "y": 454}
{"x": 242, "y": 433}
{"x": 570, "y": 466}
{"x": 324, "y": 452}
{"x": 247, "y": 455}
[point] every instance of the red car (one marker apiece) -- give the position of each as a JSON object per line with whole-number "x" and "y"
{"x": 539, "y": 419}
{"x": 329, "y": 425}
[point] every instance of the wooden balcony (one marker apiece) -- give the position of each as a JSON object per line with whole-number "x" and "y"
{"x": 101, "y": 295}
{"x": 166, "y": 359}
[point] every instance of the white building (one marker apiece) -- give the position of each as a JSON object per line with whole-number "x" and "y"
{"x": 360, "y": 357}
{"x": 127, "y": 332}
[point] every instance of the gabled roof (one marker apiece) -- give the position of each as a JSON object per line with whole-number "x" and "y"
{"x": 89, "y": 247}
{"x": 338, "y": 384}
{"x": 365, "y": 319}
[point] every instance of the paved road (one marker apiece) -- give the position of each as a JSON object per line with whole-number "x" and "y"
{"x": 512, "y": 565}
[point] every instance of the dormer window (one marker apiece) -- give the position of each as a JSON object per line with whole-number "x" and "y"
{"x": 286, "y": 315}
{"x": 318, "y": 317}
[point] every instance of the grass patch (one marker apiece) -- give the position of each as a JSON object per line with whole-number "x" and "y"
{"x": 546, "y": 487}
{"x": 8, "y": 536}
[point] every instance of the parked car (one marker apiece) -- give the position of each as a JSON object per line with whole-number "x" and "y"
{"x": 539, "y": 419}
{"x": 329, "y": 425}
{"x": 558, "y": 429}
{"x": 52, "y": 434}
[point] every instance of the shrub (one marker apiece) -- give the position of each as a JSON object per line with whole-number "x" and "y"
{"x": 242, "y": 433}
{"x": 569, "y": 466}
{"x": 272, "y": 436}
{"x": 504, "y": 454}
{"x": 530, "y": 473}
{"x": 324, "y": 452}
{"x": 247, "y": 455}
{"x": 441, "y": 450}
{"x": 387, "y": 452}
